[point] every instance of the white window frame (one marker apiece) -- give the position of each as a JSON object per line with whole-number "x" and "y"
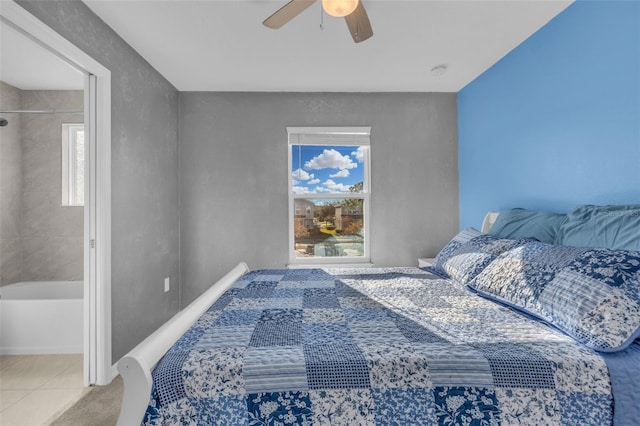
{"x": 331, "y": 136}
{"x": 69, "y": 159}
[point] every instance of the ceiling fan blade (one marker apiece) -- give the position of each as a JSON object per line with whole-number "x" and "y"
{"x": 287, "y": 13}
{"x": 358, "y": 23}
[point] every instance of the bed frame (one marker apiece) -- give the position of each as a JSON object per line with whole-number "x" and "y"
{"x": 488, "y": 221}
{"x": 136, "y": 366}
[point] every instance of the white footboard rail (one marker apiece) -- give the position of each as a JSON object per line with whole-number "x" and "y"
{"x": 135, "y": 367}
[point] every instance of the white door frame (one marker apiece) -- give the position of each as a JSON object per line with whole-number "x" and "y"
{"x": 97, "y": 236}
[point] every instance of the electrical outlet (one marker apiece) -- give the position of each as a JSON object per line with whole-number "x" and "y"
{"x": 167, "y": 284}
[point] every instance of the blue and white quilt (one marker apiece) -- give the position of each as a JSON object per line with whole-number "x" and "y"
{"x": 385, "y": 346}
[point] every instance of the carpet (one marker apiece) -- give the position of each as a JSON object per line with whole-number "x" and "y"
{"x": 100, "y": 407}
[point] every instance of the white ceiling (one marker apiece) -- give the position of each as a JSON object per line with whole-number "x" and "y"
{"x": 29, "y": 66}
{"x": 216, "y": 45}
{"x": 222, "y": 45}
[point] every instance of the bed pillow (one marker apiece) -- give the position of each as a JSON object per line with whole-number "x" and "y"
{"x": 522, "y": 223}
{"x": 468, "y": 253}
{"x": 591, "y": 294}
{"x": 602, "y": 226}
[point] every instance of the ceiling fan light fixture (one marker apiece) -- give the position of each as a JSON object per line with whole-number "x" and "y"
{"x": 439, "y": 70}
{"x": 339, "y": 8}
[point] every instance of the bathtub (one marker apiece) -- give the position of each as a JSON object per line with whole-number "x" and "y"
{"x": 41, "y": 317}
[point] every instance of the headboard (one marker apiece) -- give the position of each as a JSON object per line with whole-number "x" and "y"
{"x": 488, "y": 221}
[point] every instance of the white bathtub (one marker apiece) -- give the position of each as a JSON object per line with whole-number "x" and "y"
{"x": 41, "y": 317}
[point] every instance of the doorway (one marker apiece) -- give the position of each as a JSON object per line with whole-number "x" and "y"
{"x": 96, "y": 242}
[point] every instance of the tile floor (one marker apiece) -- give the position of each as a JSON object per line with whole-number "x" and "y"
{"x": 36, "y": 389}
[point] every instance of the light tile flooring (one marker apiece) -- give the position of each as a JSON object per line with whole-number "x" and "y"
{"x": 36, "y": 389}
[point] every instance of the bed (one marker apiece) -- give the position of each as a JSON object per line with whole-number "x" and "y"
{"x": 441, "y": 345}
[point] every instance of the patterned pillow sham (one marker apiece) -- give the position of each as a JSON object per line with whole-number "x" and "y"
{"x": 468, "y": 253}
{"x": 593, "y": 295}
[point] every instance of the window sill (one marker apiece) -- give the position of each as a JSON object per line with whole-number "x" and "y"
{"x": 329, "y": 265}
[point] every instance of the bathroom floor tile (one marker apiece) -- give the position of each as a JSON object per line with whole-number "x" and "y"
{"x": 69, "y": 378}
{"x": 8, "y": 361}
{"x": 10, "y": 397}
{"x": 36, "y": 389}
{"x": 40, "y": 406}
{"x": 33, "y": 371}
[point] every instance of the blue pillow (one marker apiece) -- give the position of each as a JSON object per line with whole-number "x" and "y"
{"x": 591, "y": 294}
{"x": 602, "y": 226}
{"x": 468, "y": 253}
{"x": 523, "y": 223}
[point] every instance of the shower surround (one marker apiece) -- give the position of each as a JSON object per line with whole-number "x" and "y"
{"x": 40, "y": 240}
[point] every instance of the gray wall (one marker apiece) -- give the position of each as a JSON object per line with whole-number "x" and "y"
{"x": 144, "y": 158}
{"x": 10, "y": 187}
{"x": 233, "y": 188}
{"x": 51, "y": 234}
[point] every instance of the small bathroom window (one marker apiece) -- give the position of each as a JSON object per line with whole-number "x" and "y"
{"x": 73, "y": 164}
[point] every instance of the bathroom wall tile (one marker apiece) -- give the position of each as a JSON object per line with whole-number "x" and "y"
{"x": 10, "y": 186}
{"x": 37, "y": 131}
{"x": 10, "y": 167}
{"x": 41, "y": 168}
{"x": 10, "y": 148}
{"x": 69, "y": 260}
{"x": 38, "y": 259}
{"x": 33, "y": 130}
{"x": 10, "y": 154}
{"x": 52, "y": 235}
{"x": 10, "y": 261}
{"x": 53, "y": 99}
{"x": 37, "y": 209}
{"x": 47, "y": 258}
{"x": 10, "y": 213}
{"x": 67, "y": 221}
{"x": 10, "y": 96}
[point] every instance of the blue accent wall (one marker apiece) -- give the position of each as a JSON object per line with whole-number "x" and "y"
{"x": 556, "y": 122}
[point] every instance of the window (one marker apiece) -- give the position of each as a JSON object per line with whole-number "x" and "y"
{"x": 329, "y": 194}
{"x": 72, "y": 164}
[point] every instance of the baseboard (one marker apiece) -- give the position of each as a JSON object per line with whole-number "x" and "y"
{"x": 44, "y": 350}
{"x": 114, "y": 372}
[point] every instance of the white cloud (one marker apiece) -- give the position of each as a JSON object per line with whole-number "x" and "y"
{"x": 321, "y": 189}
{"x": 341, "y": 174}
{"x": 300, "y": 190}
{"x": 301, "y": 175}
{"x": 359, "y": 154}
{"x": 314, "y": 181}
{"x": 335, "y": 187}
{"x": 295, "y": 182}
{"x": 330, "y": 159}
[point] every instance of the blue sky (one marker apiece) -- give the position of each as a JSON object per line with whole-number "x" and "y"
{"x": 326, "y": 169}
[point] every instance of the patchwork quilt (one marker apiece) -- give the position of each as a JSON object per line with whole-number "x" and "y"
{"x": 384, "y": 346}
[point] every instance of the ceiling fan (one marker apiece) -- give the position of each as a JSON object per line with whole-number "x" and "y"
{"x": 352, "y": 10}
